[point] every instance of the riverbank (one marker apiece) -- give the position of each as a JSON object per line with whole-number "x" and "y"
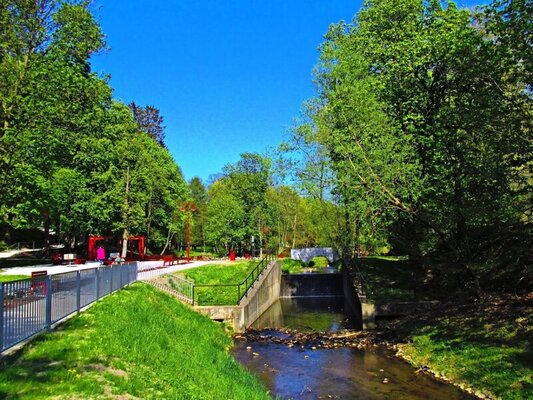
{"x": 136, "y": 343}
{"x": 483, "y": 348}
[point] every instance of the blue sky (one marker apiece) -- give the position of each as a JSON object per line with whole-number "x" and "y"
{"x": 228, "y": 76}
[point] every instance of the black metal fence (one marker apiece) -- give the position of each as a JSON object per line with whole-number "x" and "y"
{"x": 30, "y": 306}
{"x": 231, "y": 293}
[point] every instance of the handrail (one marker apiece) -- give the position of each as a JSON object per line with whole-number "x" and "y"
{"x": 247, "y": 283}
{"x": 363, "y": 286}
{"x": 258, "y": 271}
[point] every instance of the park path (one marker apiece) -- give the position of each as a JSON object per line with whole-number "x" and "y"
{"x": 143, "y": 266}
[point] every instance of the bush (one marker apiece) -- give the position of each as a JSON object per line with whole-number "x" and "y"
{"x": 319, "y": 262}
{"x": 290, "y": 266}
{"x": 3, "y": 245}
{"x": 337, "y": 264}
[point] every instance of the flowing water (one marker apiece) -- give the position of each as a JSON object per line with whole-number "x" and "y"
{"x": 343, "y": 373}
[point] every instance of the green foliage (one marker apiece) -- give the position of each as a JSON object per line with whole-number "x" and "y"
{"x": 319, "y": 262}
{"x": 391, "y": 278}
{"x": 199, "y": 197}
{"x": 402, "y": 92}
{"x": 126, "y": 346}
{"x": 70, "y": 158}
{"x": 225, "y": 224}
{"x": 290, "y": 266}
{"x": 231, "y": 273}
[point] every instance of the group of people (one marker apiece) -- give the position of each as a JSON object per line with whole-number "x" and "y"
{"x": 100, "y": 256}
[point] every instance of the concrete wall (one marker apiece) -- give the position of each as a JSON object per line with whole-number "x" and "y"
{"x": 352, "y": 302}
{"x": 307, "y": 285}
{"x": 265, "y": 292}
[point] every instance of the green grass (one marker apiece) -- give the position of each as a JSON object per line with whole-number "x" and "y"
{"x": 486, "y": 347}
{"x": 197, "y": 253}
{"x": 138, "y": 343}
{"x": 218, "y": 274}
{"x": 10, "y": 278}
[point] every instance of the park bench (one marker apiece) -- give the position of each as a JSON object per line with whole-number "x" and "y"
{"x": 169, "y": 260}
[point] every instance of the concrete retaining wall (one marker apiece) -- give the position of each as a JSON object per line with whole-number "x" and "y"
{"x": 265, "y": 292}
{"x": 352, "y": 302}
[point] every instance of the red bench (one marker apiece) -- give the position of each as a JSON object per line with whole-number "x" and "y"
{"x": 170, "y": 260}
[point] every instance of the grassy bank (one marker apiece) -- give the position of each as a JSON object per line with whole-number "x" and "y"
{"x": 10, "y": 278}
{"x": 230, "y": 273}
{"x": 138, "y": 343}
{"x": 484, "y": 346}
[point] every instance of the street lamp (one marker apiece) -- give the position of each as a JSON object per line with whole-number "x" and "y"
{"x": 188, "y": 207}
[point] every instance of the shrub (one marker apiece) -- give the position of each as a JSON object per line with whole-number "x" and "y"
{"x": 319, "y": 262}
{"x": 3, "y": 245}
{"x": 290, "y": 266}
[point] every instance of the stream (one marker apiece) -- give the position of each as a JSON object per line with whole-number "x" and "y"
{"x": 301, "y": 372}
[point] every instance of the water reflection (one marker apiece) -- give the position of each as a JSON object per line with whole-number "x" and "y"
{"x": 306, "y": 314}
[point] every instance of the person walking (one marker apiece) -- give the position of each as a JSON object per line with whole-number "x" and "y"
{"x": 100, "y": 254}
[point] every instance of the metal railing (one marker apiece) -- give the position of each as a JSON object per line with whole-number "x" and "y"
{"x": 236, "y": 291}
{"x": 248, "y": 283}
{"x": 33, "y": 245}
{"x": 178, "y": 287}
{"x": 30, "y": 306}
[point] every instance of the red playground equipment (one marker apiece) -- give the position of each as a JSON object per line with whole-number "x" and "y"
{"x": 131, "y": 256}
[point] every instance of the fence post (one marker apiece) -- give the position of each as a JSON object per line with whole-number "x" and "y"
{"x": 1, "y": 316}
{"x": 78, "y": 291}
{"x": 49, "y": 302}
{"x": 110, "y": 278}
{"x": 97, "y": 282}
{"x": 192, "y": 295}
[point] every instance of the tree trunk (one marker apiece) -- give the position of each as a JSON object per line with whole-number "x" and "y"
{"x": 167, "y": 243}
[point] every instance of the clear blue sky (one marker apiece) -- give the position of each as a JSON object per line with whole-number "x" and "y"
{"x": 228, "y": 76}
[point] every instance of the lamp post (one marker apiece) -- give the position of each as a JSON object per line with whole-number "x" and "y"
{"x": 188, "y": 207}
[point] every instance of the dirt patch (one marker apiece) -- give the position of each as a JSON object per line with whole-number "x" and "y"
{"x": 102, "y": 368}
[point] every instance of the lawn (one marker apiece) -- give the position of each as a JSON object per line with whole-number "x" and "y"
{"x": 138, "y": 343}
{"x": 230, "y": 273}
{"x": 10, "y": 278}
{"x": 486, "y": 346}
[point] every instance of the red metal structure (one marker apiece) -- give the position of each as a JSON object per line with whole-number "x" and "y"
{"x": 91, "y": 249}
{"x": 93, "y": 244}
{"x": 188, "y": 207}
{"x": 140, "y": 248}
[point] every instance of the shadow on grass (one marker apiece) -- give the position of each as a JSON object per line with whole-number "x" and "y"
{"x": 488, "y": 344}
{"x": 391, "y": 279}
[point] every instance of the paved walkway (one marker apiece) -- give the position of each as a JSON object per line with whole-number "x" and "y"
{"x": 156, "y": 266}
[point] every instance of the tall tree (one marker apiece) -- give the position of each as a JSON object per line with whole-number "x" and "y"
{"x": 415, "y": 121}
{"x": 150, "y": 121}
{"x": 249, "y": 179}
{"x": 199, "y": 196}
